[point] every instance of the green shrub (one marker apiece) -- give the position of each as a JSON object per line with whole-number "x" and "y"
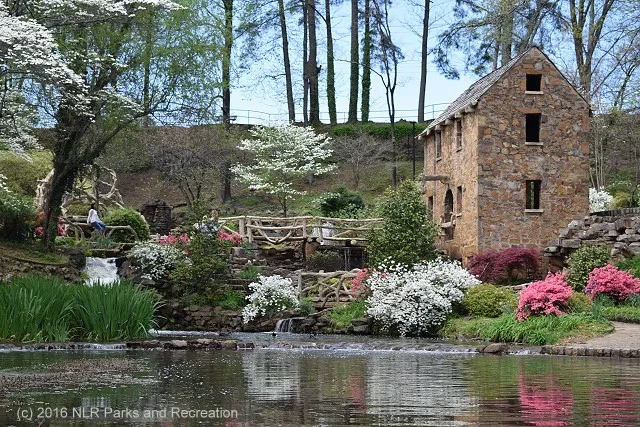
{"x": 129, "y": 217}
{"x": 78, "y": 209}
{"x": 488, "y": 301}
{"x": 582, "y": 262}
{"x": 17, "y": 215}
{"x": 630, "y": 264}
{"x": 231, "y": 300}
{"x": 324, "y": 260}
{"x": 579, "y": 303}
{"x": 342, "y": 315}
{"x": 205, "y": 266}
{"x": 46, "y": 309}
{"x": 23, "y": 175}
{"x": 249, "y": 272}
{"x": 341, "y": 200}
{"x": 306, "y": 307}
{"x": 408, "y": 234}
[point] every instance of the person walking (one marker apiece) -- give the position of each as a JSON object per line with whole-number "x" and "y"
{"x": 94, "y": 220}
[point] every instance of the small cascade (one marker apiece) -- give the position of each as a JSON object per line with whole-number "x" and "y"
{"x": 284, "y": 326}
{"x": 102, "y": 270}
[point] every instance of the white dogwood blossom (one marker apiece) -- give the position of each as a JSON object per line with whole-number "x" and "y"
{"x": 599, "y": 200}
{"x": 271, "y": 294}
{"x": 282, "y": 154}
{"x": 413, "y": 301}
{"x": 30, "y": 53}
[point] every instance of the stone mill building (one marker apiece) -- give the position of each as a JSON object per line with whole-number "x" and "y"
{"x": 507, "y": 163}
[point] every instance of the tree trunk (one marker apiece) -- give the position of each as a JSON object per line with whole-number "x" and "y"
{"x": 507, "y": 8}
{"x": 305, "y": 65}
{"x": 331, "y": 88}
{"x": 225, "y": 196}
{"x": 424, "y": 61}
{"x": 355, "y": 65}
{"x": 314, "y": 96}
{"x": 366, "y": 62}
{"x": 148, "y": 45}
{"x": 226, "y": 61}
{"x": 287, "y": 64}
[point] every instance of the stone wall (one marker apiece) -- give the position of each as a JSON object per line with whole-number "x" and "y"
{"x": 11, "y": 266}
{"x": 559, "y": 160}
{"x": 158, "y": 216}
{"x": 618, "y": 230}
{"x": 460, "y": 165}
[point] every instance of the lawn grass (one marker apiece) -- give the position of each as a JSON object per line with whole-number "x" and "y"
{"x": 342, "y": 315}
{"x": 32, "y": 252}
{"x": 621, "y": 313}
{"x": 536, "y": 330}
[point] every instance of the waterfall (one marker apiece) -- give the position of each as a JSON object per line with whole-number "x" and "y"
{"x": 101, "y": 270}
{"x": 284, "y": 326}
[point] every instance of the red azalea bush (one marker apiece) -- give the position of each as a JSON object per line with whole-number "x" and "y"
{"x": 610, "y": 281}
{"x": 506, "y": 265}
{"x": 544, "y": 297}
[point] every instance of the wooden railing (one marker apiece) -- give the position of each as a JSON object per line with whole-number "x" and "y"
{"x": 78, "y": 229}
{"x": 279, "y": 230}
{"x": 324, "y": 289}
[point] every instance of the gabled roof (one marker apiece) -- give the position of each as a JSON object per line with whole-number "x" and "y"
{"x": 479, "y": 88}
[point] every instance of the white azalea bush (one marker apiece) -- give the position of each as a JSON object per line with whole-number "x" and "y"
{"x": 599, "y": 200}
{"x": 412, "y": 301}
{"x": 270, "y": 295}
{"x": 155, "y": 260}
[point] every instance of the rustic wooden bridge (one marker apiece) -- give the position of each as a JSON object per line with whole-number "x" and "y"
{"x": 301, "y": 228}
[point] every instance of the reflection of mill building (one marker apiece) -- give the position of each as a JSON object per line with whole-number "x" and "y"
{"x": 507, "y": 163}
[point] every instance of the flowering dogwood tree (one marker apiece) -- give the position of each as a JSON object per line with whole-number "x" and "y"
{"x": 91, "y": 68}
{"x": 282, "y": 154}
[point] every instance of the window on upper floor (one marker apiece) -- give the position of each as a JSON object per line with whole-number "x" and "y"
{"x": 459, "y": 201}
{"x": 458, "y": 133}
{"x": 534, "y": 83}
{"x": 532, "y": 124}
{"x": 430, "y": 205}
{"x": 533, "y": 194}
{"x": 438, "y": 144}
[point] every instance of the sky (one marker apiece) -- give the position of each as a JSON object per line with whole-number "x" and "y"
{"x": 257, "y": 100}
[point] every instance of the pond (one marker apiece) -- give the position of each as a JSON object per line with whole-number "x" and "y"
{"x": 315, "y": 387}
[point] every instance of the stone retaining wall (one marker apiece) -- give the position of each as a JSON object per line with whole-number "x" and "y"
{"x": 11, "y": 266}
{"x": 561, "y": 350}
{"x": 618, "y": 230}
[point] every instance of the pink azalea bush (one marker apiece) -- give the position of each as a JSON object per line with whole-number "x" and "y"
{"x": 233, "y": 237}
{"x": 359, "y": 286}
{"x": 174, "y": 240}
{"x": 610, "y": 281}
{"x": 40, "y": 230}
{"x": 544, "y": 297}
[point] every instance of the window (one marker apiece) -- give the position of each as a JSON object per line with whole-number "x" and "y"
{"x": 459, "y": 201}
{"x": 532, "y": 123}
{"x": 533, "y": 194}
{"x": 534, "y": 82}
{"x": 438, "y": 144}
{"x": 459, "y": 133}
{"x": 430, "y": 205}
{"x": 448, "y": 206}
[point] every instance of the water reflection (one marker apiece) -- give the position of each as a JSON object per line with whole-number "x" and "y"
{"x": 384, "y": 388}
